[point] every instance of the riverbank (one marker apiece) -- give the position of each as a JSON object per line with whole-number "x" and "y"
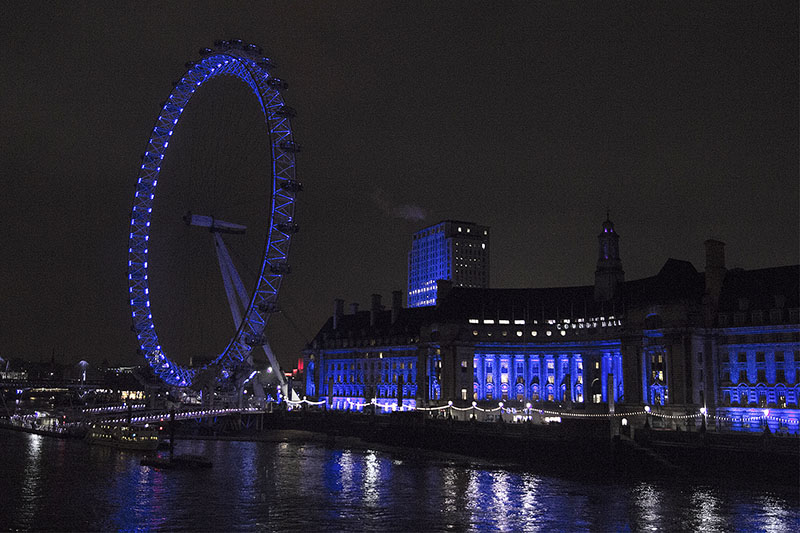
{"x": 573, "y": 447}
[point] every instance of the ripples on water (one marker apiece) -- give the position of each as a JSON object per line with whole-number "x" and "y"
{"x": 68, "y": 485}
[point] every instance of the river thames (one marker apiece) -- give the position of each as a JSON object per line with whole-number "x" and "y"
{"x": 67, "y": 485}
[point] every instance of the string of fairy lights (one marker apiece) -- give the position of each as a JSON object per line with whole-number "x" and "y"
{"x": 114, "y": 408}
{"x": 764, "y": 415}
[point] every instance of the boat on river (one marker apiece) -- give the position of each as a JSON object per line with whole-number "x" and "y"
{"x": 179, "y": 462}
{"x": 123, "y": 436}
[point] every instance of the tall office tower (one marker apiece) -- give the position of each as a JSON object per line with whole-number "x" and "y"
{"x": 450, "y": 250}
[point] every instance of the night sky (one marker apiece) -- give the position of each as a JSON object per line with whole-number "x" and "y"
{"x": 530, "y": 117}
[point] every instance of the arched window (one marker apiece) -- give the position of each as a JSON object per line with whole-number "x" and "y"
{"x": 780, "y": 397}
{"x": 535, "y": 391}
{"x": 597, "y": 391}
{"x": 761, "y": 393}
{"x": 744, "y": 396}
{"x": 653, "y": 322}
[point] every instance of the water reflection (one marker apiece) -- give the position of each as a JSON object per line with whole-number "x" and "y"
{"x": 279, "y": 487}
{"x": 450, "y": 494}
{"x": 346, "y": 471}
{"x": 372, "y": 475}
{"x": 647, "y": 501}
{"x": 531, "y": 508}
{"x": 774, "y": 514}
{"x": 705, "y": 507}
{"x": 500, "y": 505}
{"x": 31, "y": 478}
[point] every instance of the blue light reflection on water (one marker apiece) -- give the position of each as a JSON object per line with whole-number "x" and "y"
{"x": 68, "y": 485}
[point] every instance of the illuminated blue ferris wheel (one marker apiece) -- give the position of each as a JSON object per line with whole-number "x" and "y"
{"x": 250, "y": 306}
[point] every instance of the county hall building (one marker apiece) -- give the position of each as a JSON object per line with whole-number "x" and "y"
{"x": 727, "y": 341}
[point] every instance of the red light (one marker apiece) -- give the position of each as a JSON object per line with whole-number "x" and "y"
{"x": 300, "y": 364}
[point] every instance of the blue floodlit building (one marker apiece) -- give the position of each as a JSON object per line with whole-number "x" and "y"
{"x": 450, "y": 250}
{"x": 727, "y": 341}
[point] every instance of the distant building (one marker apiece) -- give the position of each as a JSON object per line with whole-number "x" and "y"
{"x": 679, "y": 342}
{"x": 450, "y": 250}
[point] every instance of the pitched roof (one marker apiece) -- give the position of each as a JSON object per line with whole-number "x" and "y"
{"x": 760, "y": 288}
{"x": 409, "y": 322}
{"x": 677, "y": 281}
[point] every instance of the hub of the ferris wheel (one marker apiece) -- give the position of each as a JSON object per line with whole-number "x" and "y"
{"x": 238, "y": 302}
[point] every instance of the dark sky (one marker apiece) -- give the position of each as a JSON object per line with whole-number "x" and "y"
{"x": 529, "y": 117}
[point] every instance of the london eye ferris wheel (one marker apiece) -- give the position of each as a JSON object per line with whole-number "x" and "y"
{"x": 214, "y": 200}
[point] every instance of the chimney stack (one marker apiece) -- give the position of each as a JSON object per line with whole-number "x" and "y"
{"x": 338, "y": 311}
{"x": 374, "y": 309}
{"x": 354, "y": 308}
{"x": 397, "y": 304}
